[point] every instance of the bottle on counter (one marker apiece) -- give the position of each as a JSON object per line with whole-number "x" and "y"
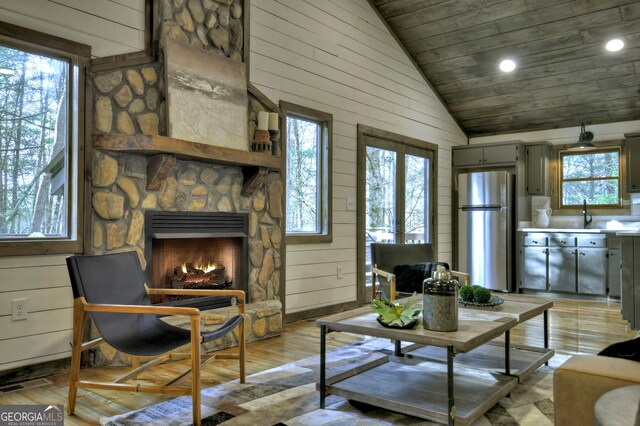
{"x": 440, "y": 301}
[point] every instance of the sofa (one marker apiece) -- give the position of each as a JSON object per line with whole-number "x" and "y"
{"x": 581, "y": 380}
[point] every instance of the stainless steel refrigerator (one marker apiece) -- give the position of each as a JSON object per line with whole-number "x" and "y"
{"x": 484, "y": 228}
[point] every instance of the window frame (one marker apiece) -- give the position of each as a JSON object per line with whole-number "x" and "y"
{"x": 600, "y": 148}
{"x": 78, "y": 56}
{"x": 325, "y": 120}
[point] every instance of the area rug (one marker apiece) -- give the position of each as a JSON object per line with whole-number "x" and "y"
{"x": 287, "y": 395}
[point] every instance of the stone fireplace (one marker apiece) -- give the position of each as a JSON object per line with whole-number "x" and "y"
{"x": 194, "y": 250}
{"x": 139, "y": 177}
{"x": 127, "y": 216}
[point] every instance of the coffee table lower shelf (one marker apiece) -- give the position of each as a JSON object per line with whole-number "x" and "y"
{"x": 419, "y": 388}
{"x": 524, "y": 360}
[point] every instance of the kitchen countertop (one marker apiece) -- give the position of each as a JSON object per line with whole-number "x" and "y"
{"x": 627, "y": 232}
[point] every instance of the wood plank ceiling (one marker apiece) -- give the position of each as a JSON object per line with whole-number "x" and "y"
{"x": 564, "y": 75}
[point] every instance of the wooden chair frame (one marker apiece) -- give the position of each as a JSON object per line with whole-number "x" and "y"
{"x": 198, "y": 360}
{"x": 463, "y": 277}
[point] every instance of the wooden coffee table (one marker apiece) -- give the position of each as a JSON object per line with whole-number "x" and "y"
{"x": 420, "y": 380}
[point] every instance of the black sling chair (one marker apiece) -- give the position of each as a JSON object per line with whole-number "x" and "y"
{"x": 112, "y": 289}
{"x": 386, "y": 257}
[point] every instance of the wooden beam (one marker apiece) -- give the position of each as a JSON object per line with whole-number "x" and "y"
{"x": 271, "y": 106}
{"x": 158, "y": 170}
{"x": 149, "y": 145}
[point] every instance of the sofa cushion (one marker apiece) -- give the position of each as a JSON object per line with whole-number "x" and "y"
{"x": 629, "y": 349}
{"x": 581, "y": 380}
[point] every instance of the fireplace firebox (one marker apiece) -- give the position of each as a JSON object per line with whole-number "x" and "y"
{"x": 195, "y": 250}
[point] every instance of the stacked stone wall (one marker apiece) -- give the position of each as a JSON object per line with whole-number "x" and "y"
{"x": 215, "y": 25}
{"x": 130, "y": 101}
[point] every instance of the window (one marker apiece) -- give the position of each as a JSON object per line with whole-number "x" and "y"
{"x": 39, "y": 143}
{"x": 308, "y": 147}
{"x": 593, "y": 176}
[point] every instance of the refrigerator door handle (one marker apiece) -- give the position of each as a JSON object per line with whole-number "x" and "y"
{"x": 489, "y": 207}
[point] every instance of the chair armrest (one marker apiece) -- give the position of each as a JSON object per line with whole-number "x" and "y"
{"x": 389, "y": 276}
{"x": 385, "y": 274}
{"x": 238, "y": 294}
{"x": 140, "y": 309}
{"x": 465, "y": 277}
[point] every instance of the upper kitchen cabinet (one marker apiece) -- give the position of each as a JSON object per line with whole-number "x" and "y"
{"x": 468, "y": 156}
{"x": 633, "y": 159}
{"x": 537, "y": 169}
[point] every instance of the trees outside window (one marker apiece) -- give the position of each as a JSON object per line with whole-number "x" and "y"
{"x": 308, "y": 146}
{"x": 593, "y": 176}
{"x": 41, "y": 141}
{"x": 34, "y": 110}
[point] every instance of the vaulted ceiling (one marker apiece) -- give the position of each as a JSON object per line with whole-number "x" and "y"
{"x": 564, "y": 74}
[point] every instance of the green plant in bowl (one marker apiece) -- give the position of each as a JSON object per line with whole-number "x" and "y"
{"x": 481, "y": 295}
{"x": 466, "y": 293}
{"x": 395, "y": 315}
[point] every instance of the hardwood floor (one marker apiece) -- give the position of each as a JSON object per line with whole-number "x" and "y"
{"x": 576, "y": 326}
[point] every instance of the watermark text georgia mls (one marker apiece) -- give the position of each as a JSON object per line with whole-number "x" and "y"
{"x": 32, "y": 415}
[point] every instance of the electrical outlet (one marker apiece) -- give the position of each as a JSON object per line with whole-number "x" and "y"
{"x": 339, "y": 272}
{"x": 19, "y": 309}
{"x": 351, "y": 204}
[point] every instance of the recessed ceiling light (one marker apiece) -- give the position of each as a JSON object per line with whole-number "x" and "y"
{"x": 614, "y": 45}
{"x": 507, "y": 65}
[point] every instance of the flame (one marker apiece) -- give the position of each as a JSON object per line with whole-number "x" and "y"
{"x": 210, "y": 266}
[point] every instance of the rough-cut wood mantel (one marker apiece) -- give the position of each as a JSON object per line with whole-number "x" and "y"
{"x": 152, "y": 145}
{"x": 162, "y": 151}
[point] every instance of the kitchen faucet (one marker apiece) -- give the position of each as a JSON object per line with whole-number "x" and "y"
{"x": 587, "y": 223}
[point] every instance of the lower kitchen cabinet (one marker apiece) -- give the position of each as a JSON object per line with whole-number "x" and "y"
{"x": 615, "y": 265}
{"x": 615, "y": 272}
{"x": 562, "y": 269}
{"x": 565, "y": 263}
{"x": 534, "y": 272}
{"x": 592, "y": 271}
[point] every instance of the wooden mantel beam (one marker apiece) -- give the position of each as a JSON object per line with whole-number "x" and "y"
{"x": 153, "y": 145}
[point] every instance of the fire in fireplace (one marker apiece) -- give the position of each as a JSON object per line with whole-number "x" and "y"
{"x": 200, "y": 275}
{"x": 196, "y": 251}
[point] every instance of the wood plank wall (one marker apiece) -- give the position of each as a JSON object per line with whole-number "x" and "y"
{"x": 338, "y": 57}
{"x": 110, "y": 27}
{"x": 46, "y": 333}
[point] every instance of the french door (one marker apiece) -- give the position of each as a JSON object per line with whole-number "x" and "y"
{"x": 395, "y": 184}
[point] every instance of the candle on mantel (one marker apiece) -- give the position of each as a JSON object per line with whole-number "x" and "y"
{"x": 273, "y": 121}
{"x": 263, "y": 120}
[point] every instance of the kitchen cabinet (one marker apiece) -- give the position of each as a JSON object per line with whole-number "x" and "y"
{"x": 614, "y": 266}
{"x": 537, "y": 169}
{"x": 592, "y": 264}
{"x": 564, "y": 262}
{"x": 485, "y": 155}
{"x": 630, "y": 297}
{"x": 562, "y": 269}
{"x": 592, "y": 271}
{"x": 534, "y": 271}
{"x": 632, "y": 143}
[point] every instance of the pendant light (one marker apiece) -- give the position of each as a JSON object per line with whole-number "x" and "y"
{"x": 584, "y": 141}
